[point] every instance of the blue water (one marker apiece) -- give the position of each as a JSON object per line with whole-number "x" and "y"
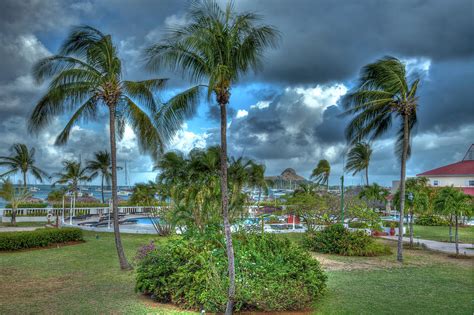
{"x": 146, "y": 220}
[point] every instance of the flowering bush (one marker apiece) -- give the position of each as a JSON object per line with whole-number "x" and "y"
{"x": 145, "y": 250}
{"x": 272, "y": 273}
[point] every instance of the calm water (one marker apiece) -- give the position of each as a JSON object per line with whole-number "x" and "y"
{"x": 44, "y": 190}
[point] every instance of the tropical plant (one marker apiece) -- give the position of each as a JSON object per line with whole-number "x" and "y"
{"x": 86, "y": 79}
{"x": 358, "y": 159}
{"x": 14, "y": 196}
{"x": 321, "y": 173}
{"x": 257, "y": 180}
{"x": 452, "y": 201}
{"x": 374, "y": 194}
{"x": 144, "y": 194}
{"x": 22, "y": 160}
{"x": 73, "y": 175}
{"x": 216, "y": 47}
{"x": 417, "y": 199}
{"x": 101, "y": 165}
{"x": 384, "y": 93}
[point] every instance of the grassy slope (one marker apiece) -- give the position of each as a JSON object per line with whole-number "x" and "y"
{"x": 441, "y": 233}
{"x": 84, "y": 279}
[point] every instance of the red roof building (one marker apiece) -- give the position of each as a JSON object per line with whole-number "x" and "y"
{"x": 459, "y": 174}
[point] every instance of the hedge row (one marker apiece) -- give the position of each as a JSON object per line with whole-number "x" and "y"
{"x": 38, "y": 238}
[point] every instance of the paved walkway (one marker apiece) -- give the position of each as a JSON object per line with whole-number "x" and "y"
{"x": 450, "y": 248}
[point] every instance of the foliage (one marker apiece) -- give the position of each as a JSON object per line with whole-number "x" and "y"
{"x": 193, "y": 184}
{"x": 272, "y": 273}
{"x": 322, "y": 172}
{"x": 24, "y": 205}
{"x": 101, "y": 165}
{"x": 14, "y": 196}
{"x": 81, "y": 205}
{"x": 73, "y": 174}
{"x": 38, "y": 238}
{"x": 417, "y": 194}
{"x": 390, "y": 224}
{"x": 336, "y": 239}
{"x": 374, "y": 195}
{"x": 358, "y": 159}
{"x": 56, "y": 195}
{"x": 22, "y": 160}
{"x": 431, "y": 220}
{"x": 452, "y": 201}
{"x": 144, "y": 194}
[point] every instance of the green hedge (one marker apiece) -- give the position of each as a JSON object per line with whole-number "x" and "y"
{"x": 272, "y": 273}
{"x": 81, "y": 205}
{"x": 431, "y": 220}
{"x": 336, "y": 239}
{"x": 38, "y": 238}
{"x": 28, "y": 205}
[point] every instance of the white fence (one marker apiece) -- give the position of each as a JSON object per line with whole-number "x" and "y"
{"x": 40, "y": 214}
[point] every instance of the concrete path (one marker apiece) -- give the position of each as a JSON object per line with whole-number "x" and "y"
{"x": 17, "y": 229}
{"x": 449, "y": 248}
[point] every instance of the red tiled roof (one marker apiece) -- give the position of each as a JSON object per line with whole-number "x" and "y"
{"x": 459, "y": 168}
{"x": 468, "y": 191}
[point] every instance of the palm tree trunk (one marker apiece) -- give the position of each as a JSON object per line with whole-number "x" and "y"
{"x": 24, "y": 179}
{"x": 13, "y": 222}
{"x": 124, "y": 265}
{"x": 402, "y": 187}
{"x": 367, "y": 175}
{"x": 411, "y": 228}
{"x": 225, "y": 210}
{"x": 451, "y": 229}
{"x": 456, "y": 235}
{"x": 102, "y": 189}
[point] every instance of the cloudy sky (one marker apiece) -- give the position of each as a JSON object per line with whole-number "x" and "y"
{"x": 286, "y": 115}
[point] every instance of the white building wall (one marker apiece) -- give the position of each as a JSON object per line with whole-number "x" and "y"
{"x": 456, "y": 181}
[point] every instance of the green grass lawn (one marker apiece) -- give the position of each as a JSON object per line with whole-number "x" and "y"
{"x": 85, "y": 279}
{"x": 441, "y": 233}
{"x": 23, "y": 224}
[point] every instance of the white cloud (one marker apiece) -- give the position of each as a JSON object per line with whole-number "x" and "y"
{"x": 321, "y": 96}
{"x": 261, "y": 105}
{"x": 241, "y": 113}
{"x": 186, "y": 140}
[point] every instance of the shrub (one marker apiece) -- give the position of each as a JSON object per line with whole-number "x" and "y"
{"x": 272, "y": 273}
{"x": 390, "y": 224}
{"x": 358, "y": 225}
{"x": 38, "y": 238}
{"x": 336, "y": 239}
{"x": 431, "y": 220}
{"x": 28, "y": 205}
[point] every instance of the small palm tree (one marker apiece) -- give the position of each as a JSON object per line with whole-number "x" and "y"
{"x": 452, "y": 201}
{"x": 321, "y": 173}
{"x": 73, "y": 175}
{"x": 22, "y": 160}
{"x": 216, "y": 48}
{"x": 257, "y": 180}
{"x": 358, "y": 159}
{"x": 384, "y": 93}
{"x": 87, "y": 78}
{"x": 374, "y": 194}
{"x": 101, "y": 165}
{"x": 14, "y": 196}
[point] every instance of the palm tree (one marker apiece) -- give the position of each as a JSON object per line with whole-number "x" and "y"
{"x": 217, "y": 47}
{"x": 86, "y": 78}
{"x": 321, "y": 173}
{"x": 358, "y": 159}
{"x": 14, "y": 196}
{"x": 452, "y": 201}
{"x": 22, "y": 160}
{"x": 73, "y": 175}
{"x": 384, "y": 93}
{"x": 374, "y": 194}
{"x": 257, "y": 179}
{"x": 101, "y": 165}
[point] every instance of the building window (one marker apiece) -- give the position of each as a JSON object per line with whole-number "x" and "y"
{"x": 471, "y": 182}
{"x": 435, "y": 182}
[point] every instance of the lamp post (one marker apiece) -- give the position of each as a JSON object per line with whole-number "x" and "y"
{"x": 342, "y": 199}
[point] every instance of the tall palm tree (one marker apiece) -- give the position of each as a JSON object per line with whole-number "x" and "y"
{"x": 87, "y": 78}
{"x": 358, "y": 159}
{"x": 73, "y": 175}
{"x": 216, "y": 47}
{"x": 384, "y": 94}
{"x": 321, "y": 173}
{"x": 22, "y": 160}
{"x": 101, "y": 165}
{"x": 13, "y": 195}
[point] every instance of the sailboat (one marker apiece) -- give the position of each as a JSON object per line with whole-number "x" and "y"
{"x": 127, "y": 191}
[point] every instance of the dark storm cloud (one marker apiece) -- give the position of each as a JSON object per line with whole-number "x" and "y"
{"x": 329, "y": 40}
{"x": 214, "y": 113}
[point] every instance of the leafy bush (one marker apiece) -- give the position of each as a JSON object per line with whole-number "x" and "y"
{"x": 38, "y": 238}
{"x": 431, "y": 220}
{"x": 82, "y": 205}
{"x": 336, "y": 239}
{"x": 271, "y": 273}
{"x": 358, "y": 225}
{"x": 394, "y": 224}
{"x": 28, "y": 205}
